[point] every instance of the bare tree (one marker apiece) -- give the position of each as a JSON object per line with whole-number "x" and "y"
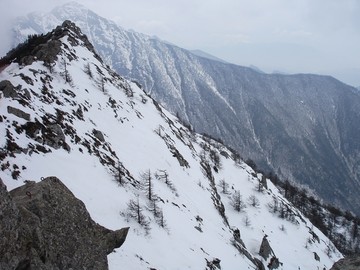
{"x": 164, "y": 176}
{"x": 87, "y": 70}
{"x": 253, "y": 201}
{"x": 153, "y": 207}
{"x": 247, "y": 221}
{"x": 237, "y": 202}
{"x": 274, "y": 205}
{"x": 147, "y": 183}
{"x": 224, "y": 186}
{"x": 215, "y": 158}
{"x": 65, "y": 73}
{"x": 135, "y": 211}
{"x": 120, "y": 174}
{"x": 100, "y": 82}
{"x": 260, "y": 187}
{"x": 160, "y": 220}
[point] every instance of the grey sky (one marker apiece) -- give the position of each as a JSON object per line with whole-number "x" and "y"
{"x": 308, "y": 36}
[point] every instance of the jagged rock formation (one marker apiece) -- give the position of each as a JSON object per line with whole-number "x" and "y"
{"x": 265, "y": 249}
{"x": 44, "y": 226}
{"x": 266, "y": 252}
{"x": 348, "y": 263}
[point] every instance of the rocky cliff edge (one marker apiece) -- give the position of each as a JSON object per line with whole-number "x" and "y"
{"x": 44, "y": 226}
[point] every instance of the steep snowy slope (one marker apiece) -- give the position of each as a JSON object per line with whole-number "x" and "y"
{"x": 190, "y": 202}
{"x": 283, "y": 122}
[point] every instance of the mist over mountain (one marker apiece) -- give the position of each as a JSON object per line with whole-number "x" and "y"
{"x": 189, "y": 201}
{"x": 302, "y": 127}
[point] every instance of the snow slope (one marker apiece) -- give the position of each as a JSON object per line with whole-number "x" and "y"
{"x": 139, "y": 136}
{"x": 283, "y": 122}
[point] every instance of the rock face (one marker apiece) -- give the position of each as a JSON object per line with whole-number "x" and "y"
{"x": 8, "y": 89}
{"x": 350, "y": 263}
{"x": 44, "y": 226}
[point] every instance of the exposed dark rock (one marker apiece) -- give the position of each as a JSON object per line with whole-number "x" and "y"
{"x": 18, "y": 113}
{"x": 51, "y": 135}
{"x": 274, "y": 263}
{"x": 316, "y": 256}
{"x": 98, "y": 134}
{"x": 265, "y": 249}
{"x": 182, "y": 161}
{"x": 8, "y": 89}
{"x": 237, "y": 237}
{"x": 43, "y": 226}
{"x": 214, "y": 264}
{"x": 238, "y": 243}
{"x": 349, "y": 263}
{"x": 57, "y": 139}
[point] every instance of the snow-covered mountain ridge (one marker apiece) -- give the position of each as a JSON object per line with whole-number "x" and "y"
{"x": 189, "y": 201}
{"x": 285, "y": 123}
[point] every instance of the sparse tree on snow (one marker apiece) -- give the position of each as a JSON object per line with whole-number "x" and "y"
{"x": 119, "y": 174}
{"x": 147, "y": 183}
{"x": 224, "y": 186}
{"x": 65, "y": 73}
{"x": 237, "y": 202}
{"x": 152, "y": 206}
{"x": 135, "y": 211}
{"x": 247, "y": 221}
{"x": 101, "y": 83}
{"x": 274, "y": 205}
{"x": 160, "y": 220}
{"x": 164, "y": 176}
{"x": 87, "y": 70}
{"x": 253, "y": 201}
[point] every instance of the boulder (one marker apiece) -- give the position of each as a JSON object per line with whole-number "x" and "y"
{"x": 44, "y": 226}
{"x": 265, "y": 248}
{"x": 348, "y": 263}
{"x": 98, "y": 135}
{"x": 19, "y": 113}
{"x": 8, "y": 89}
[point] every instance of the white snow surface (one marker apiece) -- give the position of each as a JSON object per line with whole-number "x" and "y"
{"x": 129, "y": 130}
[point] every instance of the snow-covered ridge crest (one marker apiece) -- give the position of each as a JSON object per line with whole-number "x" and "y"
{"x": 190, "y": 202}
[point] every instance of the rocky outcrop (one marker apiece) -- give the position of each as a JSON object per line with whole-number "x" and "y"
{"x": 265, "y": 249}
{"x": 98, "y": 135}
{"x": 240, "y": 246}
{"x": 44, "y": 226}
{"x": 8, "y": 89}
{"x": 19, "y": 113}
{"x": 349, "y": 263}
{"x": 47, "y": 47}
{"x": 50, "y": 134}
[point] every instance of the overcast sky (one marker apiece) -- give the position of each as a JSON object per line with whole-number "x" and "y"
{"x": 307, "y": 36}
